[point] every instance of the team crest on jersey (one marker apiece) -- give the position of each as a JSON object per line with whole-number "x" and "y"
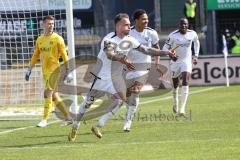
{"x": 147, "y": 38}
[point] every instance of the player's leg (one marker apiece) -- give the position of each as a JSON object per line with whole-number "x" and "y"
{"x": 61, "y": 106}
{"x": 175, "y": 73}
{"x": 93, "y": 94}
{"x": 185, "y": 91}
{"x": 117, "y": 94}
{"x": 175, "y": 94}
{"x": 96, "y": 91}
{"x": 132, "y": 103}
{"x": 51, "y": 82}
{"x": 113, "y": 108}
{"x": 116, "y": 88}
{"x": 84, "y": 106}
{"x": 47, "y": 107}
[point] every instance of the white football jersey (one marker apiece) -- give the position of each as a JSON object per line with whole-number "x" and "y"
{"x": 122, "y": 46}
{"x": 185, "y": 41}
{"x": 148, "y": 37}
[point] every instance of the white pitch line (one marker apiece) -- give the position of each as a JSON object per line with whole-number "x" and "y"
{"x": 23, "y": 128}
{"x": 169, "y": 97}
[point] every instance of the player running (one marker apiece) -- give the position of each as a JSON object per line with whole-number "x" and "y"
{"x": 182, "y": 67}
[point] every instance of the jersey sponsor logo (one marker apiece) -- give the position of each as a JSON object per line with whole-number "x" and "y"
{"x": 123, "y": 47}
{"x": 181, "y": 43}
{"x": 44, "y": 49}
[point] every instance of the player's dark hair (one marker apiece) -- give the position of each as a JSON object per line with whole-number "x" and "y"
{"x": 184, "y": 19}
{"x": 119, "y": 17}
{"x": 48, "y": 18}
{"x": 137, "y": 13}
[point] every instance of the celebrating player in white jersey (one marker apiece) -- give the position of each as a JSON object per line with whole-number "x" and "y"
{"x": 182, "y": 67}
{"x": 136, "y": 79}
{"x": 114, "y": 49}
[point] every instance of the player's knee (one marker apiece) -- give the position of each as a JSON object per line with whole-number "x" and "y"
{"x": 133, "y": 100}
{"x": 114, "y": 107}
{"x": 118, "y": 102}
{"x": 135, "y": 89}
{"x": 55, "y": 96}
{"x": 175, "y": 90}
{"x": 88, "y": 102}
{"x": 48, "y": 93}
{"x": 185, "y": 83}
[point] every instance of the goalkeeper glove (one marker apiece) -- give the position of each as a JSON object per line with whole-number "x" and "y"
{"x": 28, "y": 73}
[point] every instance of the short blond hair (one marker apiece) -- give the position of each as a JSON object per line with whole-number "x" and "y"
{"x": 119, "y": 17}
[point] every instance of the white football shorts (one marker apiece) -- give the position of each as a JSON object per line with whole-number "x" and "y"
{"x": 177, "y": 68}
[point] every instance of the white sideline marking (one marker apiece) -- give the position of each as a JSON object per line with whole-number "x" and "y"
{"x": 23, "y": 128}
{"x": 119, "y": 144}
{"x": 150, "y": 101}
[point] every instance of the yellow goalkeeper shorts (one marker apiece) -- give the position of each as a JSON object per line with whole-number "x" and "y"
{"x": 51, "y": 80}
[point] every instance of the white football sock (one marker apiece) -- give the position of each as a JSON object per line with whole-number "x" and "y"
{"x": 185, "y": 90}
{"x": 132, "y": 106}
{"x": 175, "y": 96}
{"x": 130, "y": 113}
{"x": 114, "y": 107}
{"x": 104, "y": 118}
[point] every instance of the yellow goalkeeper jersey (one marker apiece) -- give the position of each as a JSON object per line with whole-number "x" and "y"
{"x": 50, "y": 48}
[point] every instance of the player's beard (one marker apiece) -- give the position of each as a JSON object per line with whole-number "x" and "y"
{"x": 126, "y": 32}
{"x": 183, "y": 30}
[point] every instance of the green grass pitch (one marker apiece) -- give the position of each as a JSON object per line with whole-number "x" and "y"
{"x": 211, "y": 131}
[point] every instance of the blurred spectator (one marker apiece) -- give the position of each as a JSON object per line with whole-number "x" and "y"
{"x": 190, "y": 13}
{"x": 235, "y": 43}
{"x": 227, "y": 35}
{"x": 203, "y": 40}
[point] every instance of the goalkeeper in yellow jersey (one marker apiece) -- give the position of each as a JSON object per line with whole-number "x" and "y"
{"x": 50, "y": 47}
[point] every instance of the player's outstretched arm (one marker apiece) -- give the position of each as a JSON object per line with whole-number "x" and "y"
{"x": 156, "y": 52}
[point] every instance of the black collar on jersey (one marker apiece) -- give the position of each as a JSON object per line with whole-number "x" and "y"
{"x": 114, "y": 35}
{"x": 134, "y": 27}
